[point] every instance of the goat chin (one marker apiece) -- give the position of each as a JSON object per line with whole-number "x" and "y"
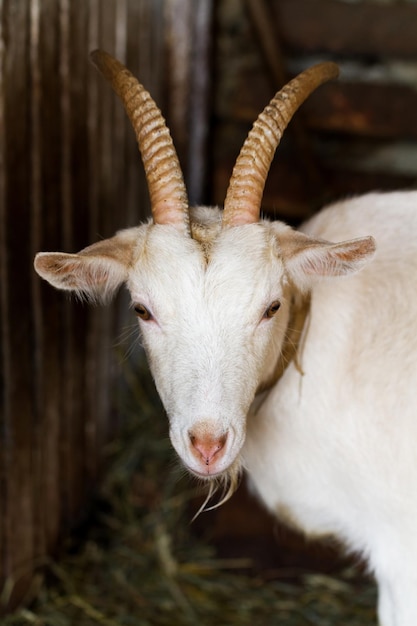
{"x": 226, "y": 483}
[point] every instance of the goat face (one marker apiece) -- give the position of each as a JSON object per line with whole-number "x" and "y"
{"x": 206, "y": 320}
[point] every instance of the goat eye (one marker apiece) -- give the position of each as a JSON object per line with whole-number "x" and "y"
{"x": 272, "y": 309}
{"x": 142, "y": 312}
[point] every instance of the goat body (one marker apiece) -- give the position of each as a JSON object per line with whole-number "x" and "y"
{"x": 330, "y": 445}
{"x": 333, "y": 450}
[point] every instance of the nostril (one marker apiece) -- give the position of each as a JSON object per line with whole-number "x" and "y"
{"x": 207, "y": 446}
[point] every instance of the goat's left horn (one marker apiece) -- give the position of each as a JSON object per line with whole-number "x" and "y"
{"x": 244, "y": 194}
{"x": 163, "y": 171}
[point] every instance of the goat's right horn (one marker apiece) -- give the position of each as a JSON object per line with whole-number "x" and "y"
{"x": 244, "y": 194}
{"x": 163, "y": 171}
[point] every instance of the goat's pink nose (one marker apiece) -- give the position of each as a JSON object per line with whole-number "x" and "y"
{"x": 207, "y": 446}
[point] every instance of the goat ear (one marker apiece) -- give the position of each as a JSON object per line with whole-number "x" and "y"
{"x": 307, "y": 258}
{"x": 96, "y": 272}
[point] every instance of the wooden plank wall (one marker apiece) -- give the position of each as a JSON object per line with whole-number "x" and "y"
{"x": 358, "y": 133}
{"x": 70, "y": 174}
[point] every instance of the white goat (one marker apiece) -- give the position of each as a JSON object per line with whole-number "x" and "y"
{"x": 269, "y": 349}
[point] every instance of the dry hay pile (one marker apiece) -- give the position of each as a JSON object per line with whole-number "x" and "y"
{"x": 139, "y": 564}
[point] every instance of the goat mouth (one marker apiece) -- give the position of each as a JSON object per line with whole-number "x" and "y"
{"x": 220, "y": 472}
{"x": 208, "y": 474}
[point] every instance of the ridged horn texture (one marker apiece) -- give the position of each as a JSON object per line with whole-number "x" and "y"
{"x": 244, "y": 194}
{"x": 167, "y": 190}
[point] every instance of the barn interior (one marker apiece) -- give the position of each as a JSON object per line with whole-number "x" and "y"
{"x": 95, "y": 512}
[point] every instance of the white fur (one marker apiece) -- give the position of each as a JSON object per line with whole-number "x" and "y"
{"x": 334, "y": 448}
{"x": 338, "y": 445}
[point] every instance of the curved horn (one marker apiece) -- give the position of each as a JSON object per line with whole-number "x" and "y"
{"x": 163, "y": 172}
{"x": 244, "y": 194}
